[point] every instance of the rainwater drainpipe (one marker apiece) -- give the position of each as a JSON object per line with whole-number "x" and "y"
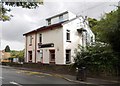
{"x": 26, "y": 56}
{"x": 35, "y": 45}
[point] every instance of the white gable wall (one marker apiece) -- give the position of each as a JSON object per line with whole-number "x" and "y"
{"x": 75, "y": 37}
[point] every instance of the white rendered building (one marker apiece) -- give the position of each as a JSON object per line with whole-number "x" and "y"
{"x": 55, "y": 43}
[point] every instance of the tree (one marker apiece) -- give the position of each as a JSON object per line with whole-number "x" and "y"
{"x": 114, "y": 35}
{"x": 7, "y": 49}
{"x": 17, "y": 54}
{"x": 97, "y": 58}
{"x": 3, "y": 11}
{"x": 92, "y": 22}
{"x": 107, "y": 29}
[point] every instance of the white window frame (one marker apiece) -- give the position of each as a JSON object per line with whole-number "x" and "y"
{"x": 49, "y": 21}
{"x": 60, "y": 18}
{"x": 68, "y": 35}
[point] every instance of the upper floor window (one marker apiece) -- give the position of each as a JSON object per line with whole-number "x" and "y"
{"x": 68, "y": 35}
{"x": 49, "y": 22}
{"x": 60, "y": 18}
{"x": 30, "y": 40}
{"x": 40, "y": 38}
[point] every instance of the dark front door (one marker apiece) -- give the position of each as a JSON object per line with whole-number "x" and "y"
{"x": 52, "y": 56}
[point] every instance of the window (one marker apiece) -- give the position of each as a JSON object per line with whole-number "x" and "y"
{"x": 52, "y": 55}
{"x": 30, "y": 40}
{"x": 40, "y": 38}
{"x": 68, "y": 35}
{"x": 41, "y": 54}
{"x": 61, "y": 18}
{"x": 49, "y": 22}
{"x": 68, "y": 56}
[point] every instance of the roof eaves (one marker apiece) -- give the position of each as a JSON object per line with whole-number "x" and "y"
{"x": 46, "y": 27}
{"x": 29, "y": 32}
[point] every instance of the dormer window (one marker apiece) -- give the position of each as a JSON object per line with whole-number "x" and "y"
{"x": 60, "y": 18}
{"x": 49, "y": 22}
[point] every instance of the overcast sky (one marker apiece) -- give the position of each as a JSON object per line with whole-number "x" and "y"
{"x": 25, "y": 20}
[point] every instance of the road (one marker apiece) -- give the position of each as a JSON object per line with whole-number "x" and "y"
{"x": 17, "y": 77}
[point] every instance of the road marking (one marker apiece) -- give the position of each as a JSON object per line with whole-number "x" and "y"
{"x": 15, "y": 83}
{"x": 41, "y": 76}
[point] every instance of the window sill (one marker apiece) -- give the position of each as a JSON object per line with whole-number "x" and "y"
{"x": 68, "y": 62}
{"x": 68, "y": 41}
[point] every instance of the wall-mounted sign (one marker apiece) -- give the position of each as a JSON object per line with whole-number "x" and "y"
{"x": 46, "y": 45}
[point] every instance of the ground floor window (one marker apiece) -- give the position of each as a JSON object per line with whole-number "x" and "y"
{"x": 41, "y": 55}
{"x": 68, "y": 56}
{"x": 52, "y": 55}
{"x": 30, "y": 56}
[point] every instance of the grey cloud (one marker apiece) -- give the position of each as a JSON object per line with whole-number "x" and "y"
{"x": 25, "y": 20}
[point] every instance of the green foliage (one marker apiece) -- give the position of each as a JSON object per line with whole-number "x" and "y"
{"x": 107, "y": 29}
{"x": 92, "y": 22}
{"x": 97, "y": 58}
{"x": 7, "y": 49}
{"x": 4, "y": 11}
{"x": 29, "y": 5}
{"x": 18, "y": 54}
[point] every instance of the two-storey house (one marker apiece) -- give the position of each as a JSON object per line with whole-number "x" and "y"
{"x": 55, "y": 43}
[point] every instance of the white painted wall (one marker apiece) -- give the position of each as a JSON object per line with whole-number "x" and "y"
{"x": 75, "y": 37}
{"x": 56, "y": 19}
{"x": 52, "y": 36}
{"x": 32, "y": 47}
{"x": 58, "y": 37}
{"x": 71, "y": 15}
{"x": 66, "y": 16}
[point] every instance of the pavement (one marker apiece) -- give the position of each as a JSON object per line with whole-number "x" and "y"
{"x": 70, "y": 78}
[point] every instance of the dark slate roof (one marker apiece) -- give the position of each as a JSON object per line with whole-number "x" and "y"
{"x": 46, "y": 27}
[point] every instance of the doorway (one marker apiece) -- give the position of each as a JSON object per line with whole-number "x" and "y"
{"x": 52, "y": 56}
{"x": 29, "y": 56}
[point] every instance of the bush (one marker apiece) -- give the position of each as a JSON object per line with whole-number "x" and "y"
{"x": 98, "y": 58}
